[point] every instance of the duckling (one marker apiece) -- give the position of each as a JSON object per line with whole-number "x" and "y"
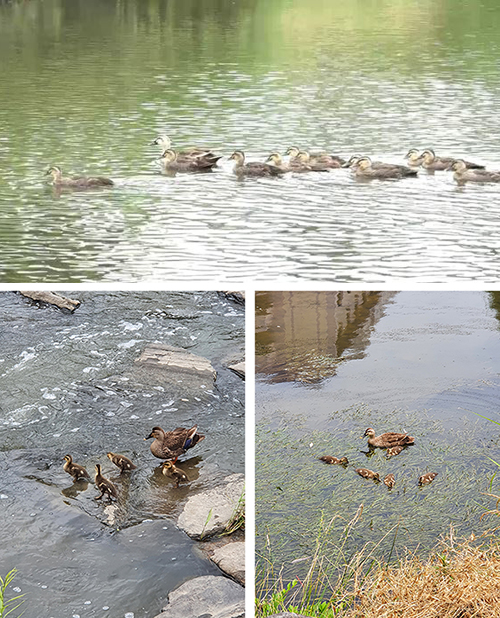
{"x": 334, "y": 460}
{"x": 121, "y": 462}
{"x": 170, "y": 162}
{"x": 169, "y": 469}
{"x": 322, "y": 158}
{"x": 304, "y": 158}
{"x": 368, "y": 474}
{"x": 253, "y": 169}
{"x": 425, "y": 479}
{"x": 104, "y": 485}
{"x": 75, "y": 470}
{"x": 294, "y": 165}
{"x": 433, "y": 163}
{"x": 81, "y": 182}
{"x": 390, "y": 481}
{"x": 415, "y": 159}
{"x": 388, "y": 440}
{"x": 172, "y": 444}
{"x": 365, "y": 169}
{"x": 355, "y": 159}
{"x": 187, "y": 153}
{"x": 463, "y": 174}
{"x": 392, "y": 452}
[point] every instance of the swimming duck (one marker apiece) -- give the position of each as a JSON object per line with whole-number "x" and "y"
{"x": 392, "y": 452}
{"x": 415, "y": 159}
{"x": 172, "y": 444}
{"x": 390, "y": 481}
{"x": 425, "y": 479}
{"x": 253, "y": 169}
{"x": 365, "y": 169}
{"x": 433, "y": 163}
{"x": 321, "y": 158}
{"x": 187, "y": 153}
{"x": 316, "y": 165}
{"x": 368, "y": 474}
{"x": 353, "y": 163}
{"x": 463, "y": 174}
{"x": 170, "y": 162}
{"x": 334, "y": 460}
{"x": 104, "y": 485}
{"x": 75, "y": 470}
{"x": 169, "y": 469}
{"x": 79, "y": 182}
{"x": 121, "y": 462}
{"x": 293, "y": 165}
{"x": 388, "y": 440}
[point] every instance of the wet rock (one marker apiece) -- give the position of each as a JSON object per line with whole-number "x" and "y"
{"x": 236, "y": 296}
{"x": 208, "y": 513}
{"x": 68, "y": 304}
{"x": 230, "y": 558}
{"x": 239, "y": 369}
{"x": 210, "y": 596}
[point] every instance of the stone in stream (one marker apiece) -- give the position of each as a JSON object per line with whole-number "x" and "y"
{"x": 210, "y": 595}
{"x": 230, "y": 558}
{"x": 67, "y": 304}
{"x": 239, "y": 369}
{"x": 236, "y": 296}
{"x": 208, "y": 512}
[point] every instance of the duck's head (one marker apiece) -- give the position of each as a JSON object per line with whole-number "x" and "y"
{"x": 238, "y": 157}
{"x": 98, "y": 468}
{"x": 459, "y": 166}
{"x": 376, "y": 476}
{"x": 163, "y": 141}
{"x": 428, "y": 155}
{"x": 369, "y": 432}
{"x": 53, "y": 171}
{"x": 412, "y": 154}
{"x": 293, "y": 151}
{"x": 157, "y": 432}
{"x": 275, "y": 159}
{"x": 68, "y": 458}
{"x": 353, "y": 161}
{"x": 167, "y": 465}
{"x": 168, "y": 156}
{"x": 303, "y": 156}
{"x": 363, "y": 164}
{"x": 110, "y": 455}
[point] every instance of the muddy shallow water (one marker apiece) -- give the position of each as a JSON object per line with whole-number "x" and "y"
{"x": 329, "y": 365}
{"x": 63, "y": 391}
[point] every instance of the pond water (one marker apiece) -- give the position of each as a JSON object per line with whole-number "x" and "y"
{"x": 68, "y": 386}
{"x": 331, "y": 364}
{"x": 86, "y": 85}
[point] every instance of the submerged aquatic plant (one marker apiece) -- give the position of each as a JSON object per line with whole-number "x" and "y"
{"x": 8, "y": 606}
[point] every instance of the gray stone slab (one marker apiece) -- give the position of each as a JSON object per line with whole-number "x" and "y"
{"x": 208, "y": 597}
{"x": 230, "y": 558}
{"x": 239, "y": 369}
{"x": 50, "y": 298}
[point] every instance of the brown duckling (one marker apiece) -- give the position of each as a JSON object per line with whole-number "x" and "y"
{"x": 294, "y": 165}
{"x": 80, "y": 182}
{"x": 323, "y": 159}
{"x": 463, "y": 174}
{"x": 121, "y": 462}
{"x": 355, "y": 159}
{"x": 75, "y": 470}
{"x": 388, "y": 440}
{"x": 186, "y": 153}
{"x": 170, "y": 162}
{"x": 415, "y": 159}
{"x": 254, "y": 168}
{"x": 433, "y": 163}
{"x": 329, "y": 459}
{"x": 104, "y": 485}
{"x": 304, "y": 158}
{"x": 172, "y": 444}
{"x": 171, "y": 470}
{"x": 393, "y": 451}
{"x": 382, "y": 171}
{"x": 390, "y": 481}
{"x": 427, "y": 478}
{"x": 368, "y": 474}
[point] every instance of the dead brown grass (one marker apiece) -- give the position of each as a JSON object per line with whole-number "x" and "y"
{"x": 457, "y": 581}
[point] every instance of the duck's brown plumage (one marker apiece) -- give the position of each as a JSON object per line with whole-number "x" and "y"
{"x": 121, "y": 462}
{"x": 171, "y": 162}
{"x": 433, "y": 163}
{"x": 323, "y": 159}
{"x": 75, "y": 470}
{"x": 463, "y": 174}
{"x": 427, "y": 478}
{"x": 254, "y": 168}
{"x": 366, "y": 169}
{"x": 392, "y": 452}
{"x": 171, "y": 470}
{"x": 368, "y": 474}
{"x": 77, "y": 182}
{"x": 329, "y": 459}
{"x": 390, "y": 481}
{"x": 104, "y": 485}
{"x": 172, "y": 444}
{"x": 388, "y": 440}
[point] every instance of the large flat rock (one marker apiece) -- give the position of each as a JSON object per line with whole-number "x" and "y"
{"x": 207, "y": 513}
{"x": 209, "y": 596}
{"x": 230, "y": 558}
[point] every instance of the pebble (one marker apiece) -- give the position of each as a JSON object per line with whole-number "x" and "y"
{"x": 129, "y": 615}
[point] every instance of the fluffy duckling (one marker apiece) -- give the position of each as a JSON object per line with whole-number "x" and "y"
{"x": 121, "y": 462}
{"x": 368, "y": 474}
{"x": 75, "y": 470}
{"x": 390, "y": 481}
{"x": 427, "y": 478}
{"x": 253, "y": 169}
{"x": 172, "y": 444}
{"x": 304, "y": 158}
{"x": 388, "y": 440}
{"x": 80, "y": 182}
{"x": 294, "y": 165}
{"x": 170, "y": 162}
{"x": 463, "y": 174}
{"x": 321, "y": 158}
{"x": 393, "y": 451}
{"x": 334, "y": 460}
{"x": 433, "y": 163}
{"x": 382, "y": 171}
{"x": 187, "y": 153}
{"x": 104, "y": 485}
{"x": 169, "y": 469}
{"x": 415, "y": 159}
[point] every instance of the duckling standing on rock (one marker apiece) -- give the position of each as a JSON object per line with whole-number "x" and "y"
{"x": 390, "y": 481}
{"x": 170, "y": 162}
{"x": 463, "y": 174}
{"x": 81, "y": 182}
{"x": 121, "y": 462}
{"x": 334, "y": 460}
{"x": 427, "y": 478}
{"x": 75, "y": 470}
{"x": 388, "y": 440}
{"x": 172, "y": 444}
{"x": 254, "y": 168}
{"x": 169, "y": 469}
{"x": 368, "y": 474}
{"x": 104, "y": 485}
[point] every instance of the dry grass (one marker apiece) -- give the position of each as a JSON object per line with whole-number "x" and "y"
{"x": 457, "y": 581}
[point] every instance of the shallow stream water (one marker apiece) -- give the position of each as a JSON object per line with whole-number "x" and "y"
{"x": 68, "y": 386}
{"x": 87, "y": 85}
{"x": 331, "y": 364}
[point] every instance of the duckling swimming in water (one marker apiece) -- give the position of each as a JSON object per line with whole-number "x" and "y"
{"x": 80, "y": 182}
{"x": 329, "y": 459}
{"x": 415, "y": 159}
{"x": 294, "y": 165}
{"x": 393, "y": 451}
{"x": 433, "y": 163}
{"x": 390, "y": 481}
{"x": 169, "y": 469}
{"x": 121, "y": 462}
{"x": 170, "y": 162}
{"x": 365, "y": 169}
{"x": 368, "y": 474}
{"x": 104, "y": 485}
{"x": 187, "y": 153}
{"x": 254, "y": 168}
{"x": 462, "y": 174}
{"x": 323, "y": 159}
{"x": 75, "y": 470}
{"x": 427, "y": 478}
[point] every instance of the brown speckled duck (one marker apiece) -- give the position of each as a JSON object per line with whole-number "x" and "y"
{"x": 427, "y": 478}
{"x": 321, "y": 158}
{"x": 121, "y": 462}
{"x": 329, "y": 459}
{"x": 171, "y": 470}
{"x": 463, "y": 174}
{"x": 254, "y": 168}
{"x": 382, "y": 171}
{"x": 170, "y": 162}
{"x": 433, "y": 163}
{"x": 80, "y": 182}
{"x": 194, "y": 152}
{"x": 75, "y": 470}
{"x": 388, "y": 440}
{"x": 368, "y": 474}
{"x": 104, "y": 485}
{"x": 390, "y": 481}
{"x": 172, "y": 444}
